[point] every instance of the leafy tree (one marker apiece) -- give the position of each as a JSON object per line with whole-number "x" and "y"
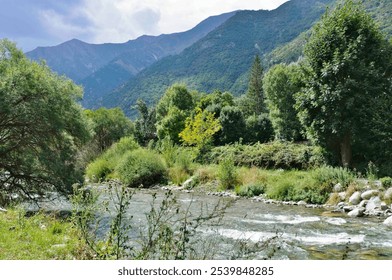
{"x": 200, "y": 129}
{"x": 172, "y": 110}
{"x": 172, "y": 124}
{"x": 145, "y": 129}
{"x": 348, "y": 79}
{"x": 280, "y": 84}
{"x": 109, "y": 125}
{"x": 258, "y": 129}
{"x": 233, "y": 125}
{"x": 41, "y": 126}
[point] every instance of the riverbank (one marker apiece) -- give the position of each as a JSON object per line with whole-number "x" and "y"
{"x": 39, "y": 237}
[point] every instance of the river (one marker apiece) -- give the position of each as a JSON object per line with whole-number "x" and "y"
{"x": 251, "y": 229}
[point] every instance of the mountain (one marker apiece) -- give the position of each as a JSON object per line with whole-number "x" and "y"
{"x": 99, "y": 68}
{"x": 221, "y": 59}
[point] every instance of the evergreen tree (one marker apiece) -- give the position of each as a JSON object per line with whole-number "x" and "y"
{"x": 255, "y": 94}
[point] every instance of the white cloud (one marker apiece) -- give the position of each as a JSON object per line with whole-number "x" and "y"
{"x": 99, "y": 21}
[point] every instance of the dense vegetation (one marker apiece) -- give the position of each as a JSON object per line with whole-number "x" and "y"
{"x": 297, "y": 131}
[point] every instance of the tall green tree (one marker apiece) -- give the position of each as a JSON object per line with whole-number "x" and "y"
{"x": 41, "y": 126}
{"x": 255, "y": 95}
{"x": 109, "y": 125}
{"x": 172, "y": 110}
{"x": 145, "y": 129}
{"x": 280, "y": 85}
{"x": 348, "y": 79}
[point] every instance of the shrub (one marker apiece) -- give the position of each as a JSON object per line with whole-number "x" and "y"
{"x": 328, "y": 176}
{"x": 103, "y": 167}
{"x": 227, "y": 174}
{"x": 276, "y": 154}
{"x": 99, "y": 169}
{"x": 250, "y": 190}
{"x": 178, "y": 175}
{"x": 141, "y": 168}
{"x": 386, "y": 182}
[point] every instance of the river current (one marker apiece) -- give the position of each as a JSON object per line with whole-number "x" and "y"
{"x": 255, "y": 230}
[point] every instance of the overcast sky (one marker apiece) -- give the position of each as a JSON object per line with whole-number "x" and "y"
{"x": 32, "y": 23}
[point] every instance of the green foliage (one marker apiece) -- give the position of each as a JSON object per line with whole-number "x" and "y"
{"x": 372, "y": 171}
{"x": 145, "y": 129}
{"x": 233, "y": 125}
{"x": 109, "y": 125}
{"x": 200, "y": 129}
{"x": 41, "y": 126}
{"x": 250, "y": 190}
{"x": 104, "y": 166}
{"x": 280, "y": 85}
{"x": 348, "y": 83}
{"x": 328, "y": 177}
{"x": 313, "y": 186}
{"x": 255, "y": 94}
{"x": 141, "y": 168}
{"x": 172, "y": 110}
{"x": 386, "y": 182}
{"x": 277, "y": 154}
{"x": 38, "y": 237}
{"x": 258, "y": 129}
{"x": 227, "y": 174}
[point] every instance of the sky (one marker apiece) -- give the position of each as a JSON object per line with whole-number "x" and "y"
{"x": 33, "y": 23}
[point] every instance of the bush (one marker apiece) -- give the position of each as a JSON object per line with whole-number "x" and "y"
{"x": 227, "y": 174}
{"x": 386, "y": 182}
{"x": 328, "y": 177}
{"x": 308, "y": 186}
{"x": 276, "y": 154}
{"x": 250, "y": 190}
{"x": 141, "y": 168}
{"x": 104, "y": 166}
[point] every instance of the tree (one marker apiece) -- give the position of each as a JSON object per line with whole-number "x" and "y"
{"x": 200, "y": 129}
{"x": 280, "y": 84}
{"x": 109, "y": 125}
{"x": 348, "y": 77}
{"x": 41, "y": 126}
{"x": 255, "y": 95}
{"x": 172, "y": 110}
{"x": 258, "y": 129}
{"x": 233, "y": 125}
{"x": 145, "y": 129}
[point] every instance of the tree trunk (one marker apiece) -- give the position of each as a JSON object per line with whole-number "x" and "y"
{"x": 345, "y": 150}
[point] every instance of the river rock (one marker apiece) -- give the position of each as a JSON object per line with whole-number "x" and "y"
{"x": 342, "y": 195}
{"x": 190, "y": 183}
{"x": 388, "y": 194}
{"x": 341, "y": 205}
{"x": 337, "y": 188}
{"x": 384, "y": 206}
{"x": 388, "y": 221}
{"x": 373, "y": 205}
{"x": 357, "y": 212}
{"x": 368, "y": 194}
{"x": 363, "y": 203}
{"x": 301, "y": 203}
{"x": 355, "y": 198}
{"x": 348, "y": 208}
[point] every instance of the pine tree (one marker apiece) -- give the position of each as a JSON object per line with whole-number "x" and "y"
{"x": 255, "y": 94}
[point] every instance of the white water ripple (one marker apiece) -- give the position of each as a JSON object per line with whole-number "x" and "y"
{"x": 311, "y": 239}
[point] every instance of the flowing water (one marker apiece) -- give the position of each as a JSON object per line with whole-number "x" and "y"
{"x": 256, "y": 230}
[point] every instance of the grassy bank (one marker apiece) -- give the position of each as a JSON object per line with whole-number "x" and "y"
{"x": 40, "y": 237}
